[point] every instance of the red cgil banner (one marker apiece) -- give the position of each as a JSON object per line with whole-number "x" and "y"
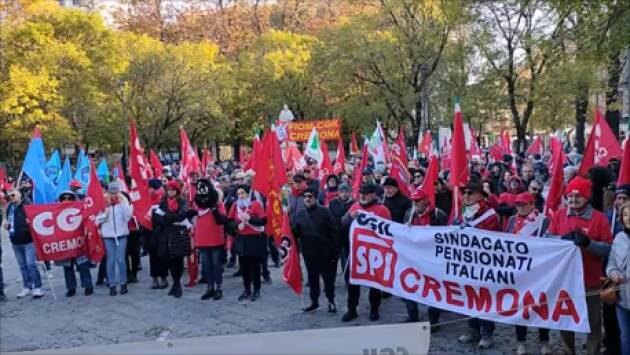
{"x": 327, "y": 129}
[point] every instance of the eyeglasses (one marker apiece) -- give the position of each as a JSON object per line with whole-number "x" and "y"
{"x": 534, "y": 189}
{"x": 67, "y": 198}
{"x": 308, "y": 196}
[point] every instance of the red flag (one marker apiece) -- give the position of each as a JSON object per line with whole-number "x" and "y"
{"x": 244, "y": 155}
{"x": 536, "y": 147}
{"x": 291, "y": 270}
{"x": 356, "y": 183}
{"x": 428, "y": 185}
{"x": 206, "y": 160}
{"x": 459, "y": 163}
{"x": 93, "y": 241}
{"x": 399, "y": 163}
{"x": 474, "y": 147}
{"x": 139, "y": 191}
{"x": 155, "y": 163}
{"x": 495, "y": 152}
{"x": 121, "y": 179}
{"x": 94, "y": 200}
{"x": 624, "y": 171}
{"x": 326, "y": 167}
{"x": 187, "y": 156}
{"x": 424, "y": 147}
{"x": 506, "y": 143}
{"x": 606, "y": 144}
{"x": 354, "y": 147}
{"x": 254, "y": 156}
{"x": 556, "y": 189}
{"x": 294, "y": 157}
{"x": 340, "y": 158}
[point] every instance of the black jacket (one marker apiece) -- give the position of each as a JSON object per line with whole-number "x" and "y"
{"x": 173, "y": 240}
{"x": 316, "y": 232}
{"x": 438, "y": 217}
{"x": 22, "y": 232}
{"x": 397, "y": 206}
{"x": 444, "y": 201}
{"x": 338, "y": 209}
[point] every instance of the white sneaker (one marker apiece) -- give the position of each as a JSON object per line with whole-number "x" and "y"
{"x": 521, "y": 349}
{"x": 486, "y": 342}
{"x": 25, "y": 292}
{"x": 38, "y": 293}
{"x": 545, "y": 349}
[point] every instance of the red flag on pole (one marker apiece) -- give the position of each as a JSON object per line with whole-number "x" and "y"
{"x": 624, "y": 171}
{"x": 206, "y": 160}
{"x": 459, "y": 164}
{"x": 428, "y": 185}
{"x": 326, "y": 167}
{"x": 94, "y": 200}
{"x": 399, "y": 161}
{"x": 356, "y": 183}
{"x": 187, "y": 156}
{"x": 291, "y": 270}
{"x": 121, "y": 178}
{"x": 602, "y": 145}
{"x": 139, "y": 190}
{"x": 340, "y": 158}
{"x": 556, "y": 189}
{"x": 155, "y": 163}
{"x": 354, "y": 147}
{"x": 536, "y": 147}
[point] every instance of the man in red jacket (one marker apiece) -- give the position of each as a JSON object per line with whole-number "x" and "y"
{"x": 477, "y": 213}
{"x": 368, "y": 202}
{"x": 588, "y": 229}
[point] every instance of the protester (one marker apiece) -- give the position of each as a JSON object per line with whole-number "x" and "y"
{"x": 622, "y": 195}
{"x": 397, "y": 203}
{"x": 310, "y": 177}
{"x": 330, "y": 191}
{"x": 316, "y": 232}
{"x": 81, "y": 262}
{"x": 338, "y": 208}
{"x": 527, "y": 174}
{"x": 587, "y": 228}
{"x": 173, "y": 238}
{"x": 158, "y": 270}
{"x": 209, "y": 236}
{"x": 22, "y": 242}
{"x": 528, "y": 221}
{"x": 536, "y": 188}
{"x": 423, "y": 213}
{"x": 113, "y": 223}
{"x": 478, "y": 214}
{"x": 618, "y": 269}
{"x": 443, "y": 196}
{"x": 296, "y": 200}
{"x": 247, "y": 219}
{"x": 368, "y": 202}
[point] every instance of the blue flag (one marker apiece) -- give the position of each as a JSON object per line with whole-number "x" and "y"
{"x": 53, "y": 167}
{"x": 64, "y": 179}
{"x": 83, "y": 170}
{"x": 35, "y": 166}
{"x": 102, "y": 171}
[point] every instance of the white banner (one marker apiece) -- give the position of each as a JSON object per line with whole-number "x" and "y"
{"x": 399, "y": 339}
{"x": 501, "y": 277}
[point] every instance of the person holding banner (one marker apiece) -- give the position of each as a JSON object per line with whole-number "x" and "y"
{"x": 82, "y": 263}
{"x": 22, "y": 242}
{"x": 477, "y": 213}
{"x": 317, "y": 233}
{"x": 588, "y": 229}
{"x": 113, "y": 223}
{"x": 618, "y": 269}
{"x": 368, "y": 202}
{"x": 423, "y": 213}
{"x": 172, "y": 230}
{"x": 528, "y": 222}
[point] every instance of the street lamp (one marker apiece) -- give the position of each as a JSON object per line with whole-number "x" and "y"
{"x": 121, "y": 96}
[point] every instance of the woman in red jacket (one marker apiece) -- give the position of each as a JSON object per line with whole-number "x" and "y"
{"x": 247, "y": 219}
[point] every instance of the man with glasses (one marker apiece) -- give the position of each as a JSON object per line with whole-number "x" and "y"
{"x": 317, "y": 233}
{"x": 536, "y": 188}
{"x": 588, "y": 229}
{"x": 23, "y": 247}
{"x": 477, "y": 213}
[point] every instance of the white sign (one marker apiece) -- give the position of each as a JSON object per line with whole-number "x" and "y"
{"x": 495, "y": 276}
{"x": 397, "y": 339}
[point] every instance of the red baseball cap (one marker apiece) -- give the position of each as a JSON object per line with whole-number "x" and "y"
{"x": 524, "y": 198}
{"x": 418, "y": 195}
{"x": 75, "y": 183}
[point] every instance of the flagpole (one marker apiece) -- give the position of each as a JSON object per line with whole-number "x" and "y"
{"x": 613, "y": 222}
{"x": 52, "y": 289}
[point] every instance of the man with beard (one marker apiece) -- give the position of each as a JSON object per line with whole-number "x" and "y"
{"x": 317, "y": 234}
{"x": 368, "y": 202}
{"x": 535, "y": 188}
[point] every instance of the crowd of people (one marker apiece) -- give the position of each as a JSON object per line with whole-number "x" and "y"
{"x": 217, "y": 217}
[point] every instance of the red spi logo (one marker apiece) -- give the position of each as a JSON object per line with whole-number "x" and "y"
{"x": 373, "y": 257}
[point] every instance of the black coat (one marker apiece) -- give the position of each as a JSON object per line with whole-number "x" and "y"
{"x": 338, "y": 209}
{"x": 316, "y": 231}
{"x": 397, "y": 206}
{"x": 22, "y": 232}
{"x": 172, "y": 240}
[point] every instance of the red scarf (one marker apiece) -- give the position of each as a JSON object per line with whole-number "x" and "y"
{"x": 297, "y": 192}
{"x": 172, "y": 204}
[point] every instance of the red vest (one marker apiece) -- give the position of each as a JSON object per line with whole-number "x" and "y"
{"x": 596, "y": 228}
{"x": 207, "y": 232}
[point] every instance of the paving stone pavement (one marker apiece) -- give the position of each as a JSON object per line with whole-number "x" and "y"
{"x": 144, "y": 314}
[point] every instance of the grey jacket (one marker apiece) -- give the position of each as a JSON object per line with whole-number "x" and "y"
{"x": 619, "y": 263}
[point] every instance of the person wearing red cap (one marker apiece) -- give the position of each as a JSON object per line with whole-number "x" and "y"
{"x": 528, "y": 222}
{"x": 589, "y": 229}
{"x": 423, "y": 213}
